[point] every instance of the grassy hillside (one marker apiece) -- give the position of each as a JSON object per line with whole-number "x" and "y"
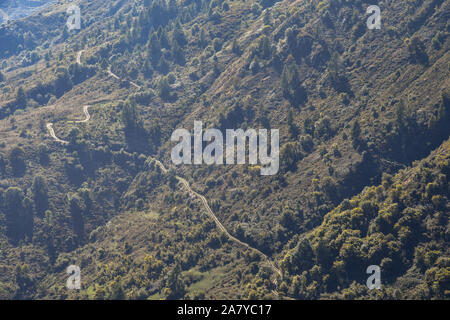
{"x": 363, "y": 118}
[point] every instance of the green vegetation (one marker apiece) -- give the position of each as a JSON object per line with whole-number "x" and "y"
{"x": 364, "y": 176}
{"x": 398, "y": 225}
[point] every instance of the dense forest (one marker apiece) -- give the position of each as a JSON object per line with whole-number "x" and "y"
{"x": 86, "y": 177}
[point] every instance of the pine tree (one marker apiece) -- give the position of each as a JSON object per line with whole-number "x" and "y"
{"x": 154, "y": 47}
{"x": 40, "y": 194}
{"x": 163, "y": 38}
{"x": 334, "y": 67}
{"x": 292, "y": 86}
{"x": 164, "y": 88}
{"x": 65, "y": 33}
{"x": 19, "y": 214}
{"x": 130, "y": 117}
{"x": 2, "y": 164}
{"x": 444, "y": 107}
{"x": 76, "y": 208}
{"x": 173, "y": 8}
{"x": 293, "y": 130}
{"x": 175, "y": 285}
{"x": 147, "y": 70}
{"x": 290, "y": 38}
{"x": 356, "y": 134}
{"x": 118, "y": 293}
{"x": 17, "y": 161}
{"x": 203, "y": 41}
{"x": 178, "y": 35}
{"x": 235, "y": 47}
{"x": 163, "y": 65}
{"x": 178, "y": 54}
{"x": 21, "y": 98}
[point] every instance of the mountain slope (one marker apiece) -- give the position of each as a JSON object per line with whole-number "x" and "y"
{"x": 352, "y": 105}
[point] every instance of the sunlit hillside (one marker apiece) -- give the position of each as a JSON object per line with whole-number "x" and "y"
{"x": 88, "y": 177}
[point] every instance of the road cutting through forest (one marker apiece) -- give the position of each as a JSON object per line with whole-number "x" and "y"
{"x": 118, "y": 78}
{"x": 184, "y": 183}
{"x": 86, "y": 113}
{"x": 79, "y": 56}
{"x": 52, "y": 134}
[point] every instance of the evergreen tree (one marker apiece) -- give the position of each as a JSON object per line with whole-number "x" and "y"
{"x": 147, "y": 70}
{"x": 163, "y": 38}
{"x": 290, "y": 38}
{"x": 235, "y": 47}
{"x": 175, "y": 284}
{"x": 292, "y": 86}
{"x": 154, "y": 47}
{"x": 444, "y": 107}
{"x": 163, "y": 66}
{"x": 76, "y": 208}
{"x": 164, "y": 88}
{"x": 40, "y": 194}
{"x": 135, "y": 133}
{"x": 293, "y": 130}
{"x": 173, "y": 8}
{"x": 118, "y": 293}
{"x": 178, "y": 54}
{"x": 19, "y": 214}
{"x": 264, "y": 49}
{"x": 178, "y": 35}
{"x": 356, "y": 134}
{"x": 21, "y": 98}
{"x": 17, "y": 161}
{"x": 63, "y": 82}
{"x": 2, "y": 164}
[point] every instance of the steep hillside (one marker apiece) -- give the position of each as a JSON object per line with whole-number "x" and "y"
{"x": 16, "y": 9}
{"x": 86, "y": 115}
{"x": 400, "y": 225}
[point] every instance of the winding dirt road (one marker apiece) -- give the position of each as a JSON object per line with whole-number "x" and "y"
{"x": 112, "y": 74}
{"x": 79, "y": 56}
{"x": 52, "y": 134}
{"x": 86, "y": 112}
{"x": 136, "y": 85}
{"x": 184, "y": 183}
{"x": 221, "y": 227}
{"x": 118, "y": 78}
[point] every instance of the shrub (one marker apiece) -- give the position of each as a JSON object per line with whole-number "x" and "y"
{"x": 164, "y": 88}
{"x": 292, "y": 86}
{"x": 17, "y": 160}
